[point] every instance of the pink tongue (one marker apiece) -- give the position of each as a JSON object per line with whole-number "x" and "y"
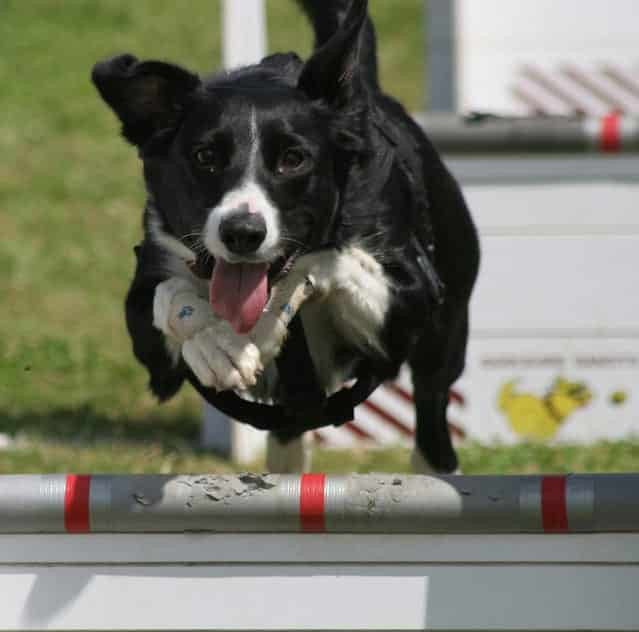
{"x": 238, "y": 293}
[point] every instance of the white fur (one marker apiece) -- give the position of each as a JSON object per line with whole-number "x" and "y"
{"x": 255, "y": 147}
{"x": 163, "y": 312}
{"x": 222, "y": 359}
{"x": 165, "y": 292}
{"x": 179, "y": 311}
{"x": 361, "y": 298}
{"x": 174, "y": 348}
{"x": 356, "y": 293}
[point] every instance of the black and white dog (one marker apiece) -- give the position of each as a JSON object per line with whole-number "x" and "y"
{"x": 288, "y": 175}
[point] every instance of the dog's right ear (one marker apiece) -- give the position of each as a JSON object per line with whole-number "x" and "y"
{"x": 147, "y": 96}
{"x": 332, "y": 72}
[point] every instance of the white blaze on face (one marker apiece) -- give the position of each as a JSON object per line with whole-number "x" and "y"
{"x": 249, "y": 192}
{"x": 238, "y": 288}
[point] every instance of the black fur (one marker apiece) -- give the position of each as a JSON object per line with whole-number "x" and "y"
{"x": 365, "y": 152}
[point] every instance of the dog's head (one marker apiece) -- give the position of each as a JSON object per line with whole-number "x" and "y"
{"x": 244, "y": 167}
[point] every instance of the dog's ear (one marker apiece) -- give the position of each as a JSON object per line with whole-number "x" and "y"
{"x": 332, "y": 72}
{"x": 147, "y": 96}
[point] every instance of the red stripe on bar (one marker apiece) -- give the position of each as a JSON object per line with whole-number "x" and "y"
{"x": 554, "y": 513}
{"x": 609, "y": 136}
{"x": 312, "y": 502}
{"x": 76, "y": 503}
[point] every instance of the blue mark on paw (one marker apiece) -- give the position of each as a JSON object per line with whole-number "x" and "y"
{"x": 287, "y": 309}
{"x": 186, "y": 311}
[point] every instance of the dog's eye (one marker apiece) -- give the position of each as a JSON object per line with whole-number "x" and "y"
{"x": 206, "y": 158}
{"x": 290, "y": 161}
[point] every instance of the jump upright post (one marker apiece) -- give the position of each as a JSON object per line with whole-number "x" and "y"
{"x": 316, "y": 552}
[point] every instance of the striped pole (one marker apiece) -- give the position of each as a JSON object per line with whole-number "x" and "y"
{"x": 613, "y": 133}
{"x": 368, "y": 503}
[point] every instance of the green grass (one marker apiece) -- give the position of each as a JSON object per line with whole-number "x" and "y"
{"x": 173, "y": 455}
{"x": 70, "y": 201}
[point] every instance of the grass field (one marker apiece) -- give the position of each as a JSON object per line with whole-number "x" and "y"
{"x": 70, "y": 200}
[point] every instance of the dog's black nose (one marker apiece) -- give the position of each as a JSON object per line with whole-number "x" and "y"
{"x": 243, "y": 232}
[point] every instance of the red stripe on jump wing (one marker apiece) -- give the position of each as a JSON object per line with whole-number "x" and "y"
{"x": 456, "y": 397}
{"x": 609, "y": 135}
{"x": 388, "y": 418}
{"x": 400, "y": 391}
{"x": 76, "y": 503}
{"x": 456, "y": 430}
{"x": 358, "y": 431}
{"x": 554, "y": 513}
{"x": 312, "y": 502}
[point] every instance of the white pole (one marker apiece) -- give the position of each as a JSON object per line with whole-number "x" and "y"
{"x": 243, "y": 43}
{"x": 243, "y": 33}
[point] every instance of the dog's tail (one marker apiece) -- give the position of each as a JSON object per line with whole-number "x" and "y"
{"x": 326, "y": 16}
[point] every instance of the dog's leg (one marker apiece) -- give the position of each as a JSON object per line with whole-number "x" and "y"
{"x": 434, "y": 451}
{"x": 285, "y": 301}
{"x": 156, "y": 352}
{"x": 288, "y": 455}
{"x": 437, "y": 361}
{"x": 419, "y": 463}
{"x": 219, "y": 357}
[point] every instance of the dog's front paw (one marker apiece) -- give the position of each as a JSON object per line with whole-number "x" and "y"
{"x": 222, "y": 359}
{"x": 178, "y": 311}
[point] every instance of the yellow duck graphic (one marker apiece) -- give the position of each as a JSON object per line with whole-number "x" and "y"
{"x": 539, "y": 418}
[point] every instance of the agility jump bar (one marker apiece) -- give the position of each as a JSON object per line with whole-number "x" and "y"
{"x": 366, "y": 503}
{"x": 486, "y": 133}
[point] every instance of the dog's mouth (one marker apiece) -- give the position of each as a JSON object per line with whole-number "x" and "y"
{"x": 239, "y": 292}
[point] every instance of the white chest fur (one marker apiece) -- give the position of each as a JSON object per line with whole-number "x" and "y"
{"x": 349, "y": 314}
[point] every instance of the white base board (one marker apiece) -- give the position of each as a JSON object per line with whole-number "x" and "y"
{"x": 319, "y": 582}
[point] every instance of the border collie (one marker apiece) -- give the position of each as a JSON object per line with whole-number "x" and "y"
{"x": 292, "y": 174}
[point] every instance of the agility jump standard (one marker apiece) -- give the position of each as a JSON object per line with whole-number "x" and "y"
{"x": 315, "y": 552}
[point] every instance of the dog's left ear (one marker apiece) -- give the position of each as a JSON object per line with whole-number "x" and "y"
{"x": 147, "y": 96}
{"x": 332, "y": 72}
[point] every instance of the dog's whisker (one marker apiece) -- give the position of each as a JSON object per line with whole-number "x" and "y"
{"x": 290, "y": 240}
{"x": 197, "y": 235}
